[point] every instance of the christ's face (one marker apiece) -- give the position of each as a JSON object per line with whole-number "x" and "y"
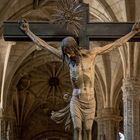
{"x": 69, "y": 51}
{"x": 72, "y": 54}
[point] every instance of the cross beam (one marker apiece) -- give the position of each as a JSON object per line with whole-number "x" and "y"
{"x": 99, "y": 31}
{"x": 95, "y": 31}
{"x": 53, "y": 32}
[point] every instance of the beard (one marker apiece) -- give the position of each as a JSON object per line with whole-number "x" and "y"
{"x": 75, "y": 59}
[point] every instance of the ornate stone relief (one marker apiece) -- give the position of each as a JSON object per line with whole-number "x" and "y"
{"x": 131, "y": 87}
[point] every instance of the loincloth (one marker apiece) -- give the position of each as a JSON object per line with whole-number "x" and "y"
{"x": 83, "y": 109}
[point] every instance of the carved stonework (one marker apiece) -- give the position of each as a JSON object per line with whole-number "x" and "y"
{"x": 131, "y": 88}
{"x": 131, "y": 99}
{"x": 69, "y": 13}
{"x": 7, "y": 128}
{"x": 23, "y": 83}
{"x": 108, "y": 124}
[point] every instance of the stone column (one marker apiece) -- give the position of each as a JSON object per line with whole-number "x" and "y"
{"x": 108, "y": 124}
{"x": 6, "y": 127}
{"x": 131, "y": 101}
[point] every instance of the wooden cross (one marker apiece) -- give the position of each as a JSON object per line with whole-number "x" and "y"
{"x": 97, "y": 31}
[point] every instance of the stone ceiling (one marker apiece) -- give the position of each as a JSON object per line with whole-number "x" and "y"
{"x": 109, "y": 68}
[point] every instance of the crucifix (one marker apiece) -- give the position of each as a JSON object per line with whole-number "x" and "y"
{"x": 81, "y": 62}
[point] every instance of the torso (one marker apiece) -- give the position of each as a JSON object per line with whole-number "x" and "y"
{"x": 84, "y": 75}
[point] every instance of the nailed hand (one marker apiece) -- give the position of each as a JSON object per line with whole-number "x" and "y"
{"x": 136, "y": 26}
{"x": 24, "y": 25}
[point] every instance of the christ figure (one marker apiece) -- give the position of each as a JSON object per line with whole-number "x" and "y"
{"x": 81, "y": 63}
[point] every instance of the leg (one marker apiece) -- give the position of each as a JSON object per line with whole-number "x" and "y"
{"x": 88, "y": 129}
{"x": 77, "y": 124}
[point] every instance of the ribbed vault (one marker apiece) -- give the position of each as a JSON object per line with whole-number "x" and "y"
{"x": 37, "y": 89}
{"x": 35, "y": 76}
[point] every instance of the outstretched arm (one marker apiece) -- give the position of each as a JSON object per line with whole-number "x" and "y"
{"x": 24, "y": 26}
{"x": 119, "y": 42}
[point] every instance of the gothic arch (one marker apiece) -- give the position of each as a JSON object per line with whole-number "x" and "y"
{"x": 37, "y": 87}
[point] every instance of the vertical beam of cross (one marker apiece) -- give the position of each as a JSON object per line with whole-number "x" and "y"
{"x": 83, "y": 38}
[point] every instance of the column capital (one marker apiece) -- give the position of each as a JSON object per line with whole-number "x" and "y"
{"x": 131, "y": 87}
{"x": 108, "y": 114}
{"x": 6, "y": 116}
{"x": 7, "y": 43}
{"x": 131, "y": 81}
{"x": 6, "y": 125}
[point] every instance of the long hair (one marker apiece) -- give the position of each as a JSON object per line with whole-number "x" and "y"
{"x": 69, "y": 42}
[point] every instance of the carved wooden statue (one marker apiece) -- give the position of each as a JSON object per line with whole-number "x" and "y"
{"x": 81, "y": 64}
